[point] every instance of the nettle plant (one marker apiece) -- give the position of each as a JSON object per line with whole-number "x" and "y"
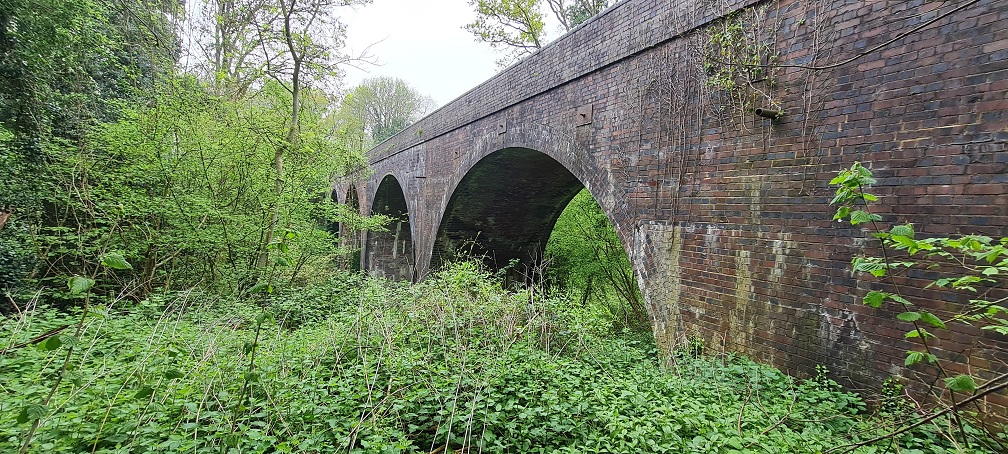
{"x": 970, "y": 263}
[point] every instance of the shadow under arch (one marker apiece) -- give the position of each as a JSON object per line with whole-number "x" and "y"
{"x": 390, "y": 253}
{"x": 505, "y": 208}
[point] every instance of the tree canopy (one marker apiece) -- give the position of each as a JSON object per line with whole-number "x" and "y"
{"x": 518, "y": 27}
{"x": 383, "y": 106}
{"x": 212, "y": 173}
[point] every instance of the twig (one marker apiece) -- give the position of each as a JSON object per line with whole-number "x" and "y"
{"x": 16, "y": 308}
{"x": 738, "y": 426}
{"x": 977, "y": 396}
{"x": 36, "y": 339}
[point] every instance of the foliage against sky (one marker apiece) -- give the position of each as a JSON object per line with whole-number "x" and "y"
{"x": 385, "y": 106}
{"x": 113, "y": 147}
{"x": 517, "y": 27}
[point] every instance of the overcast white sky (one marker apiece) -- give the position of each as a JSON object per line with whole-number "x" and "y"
{"x": 421, "y": 42}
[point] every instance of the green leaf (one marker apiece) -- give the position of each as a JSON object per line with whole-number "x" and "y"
{"x": 841, "y": 213}
{"x": 961, "y": 384}
{"x": 992, "y": 253}
{"x": 53, "y": 343}
{"x": 69, "y": 339}
{"x": 903, "y": 242}
{"x": 931, "y": 319}
{"x": 913, "y": 358}
{"x": 874, "y": 299}
{"x": 79, "y": 284}
{"x": 861, "y": 217}
{"x": 144, "y": 393}
{"x": 963, "y": 283}
{"x": 910, "y": 316}
{"x": 905, "y": 230}
{"x": 864, "y": 175}
{"x": 898, "y": 299}
{"x": 942, "y": 282}
{"x": 172, "y": 374}
{"x": 261, "y": 287}
{"x": 116, "y": 261}
{"x": 1002, "y": 330}
{"x": 871, "y": 265}
{"x": 31, "y": 413}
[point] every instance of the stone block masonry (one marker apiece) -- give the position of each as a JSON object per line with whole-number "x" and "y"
{"x": 725, "y": 213}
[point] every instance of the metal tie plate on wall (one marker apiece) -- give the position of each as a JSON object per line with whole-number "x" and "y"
{"x": 583, "y": 115}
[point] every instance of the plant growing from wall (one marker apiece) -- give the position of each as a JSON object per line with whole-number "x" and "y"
{"x": 739, "y": 59}
{"x": 975, "y": 264}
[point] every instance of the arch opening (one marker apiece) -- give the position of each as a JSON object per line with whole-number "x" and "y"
{"x": 350, "y": 234}
{"x": 504, "y": 210}
{"x": 390, "y": 253}
{"x": 587, "y": 261}
{"x": 507, "y": 208}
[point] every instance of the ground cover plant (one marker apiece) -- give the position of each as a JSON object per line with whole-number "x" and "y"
{"x": 454, "y": 364}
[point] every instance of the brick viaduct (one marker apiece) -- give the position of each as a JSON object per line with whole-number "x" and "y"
{"x": 725, "y": 213}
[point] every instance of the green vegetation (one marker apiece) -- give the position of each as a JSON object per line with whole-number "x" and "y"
{"x": 975, "y": 264}
{"x": 359, "y": 365}
{"x": 588, "y": 261}
{"x": 739, "y": 59}
{"x": 169, "y": 273}
{"x": 384, "y": 106}
{"x": 518, "y": 27}
{"x": 220, "y": 183}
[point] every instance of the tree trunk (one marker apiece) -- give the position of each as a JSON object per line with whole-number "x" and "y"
{"x": 290, "y": 142}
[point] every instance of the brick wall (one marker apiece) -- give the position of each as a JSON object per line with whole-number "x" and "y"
{"x": 724, "y": 213}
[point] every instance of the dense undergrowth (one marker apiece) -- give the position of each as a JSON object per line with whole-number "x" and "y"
{"x": 359, "y": 365}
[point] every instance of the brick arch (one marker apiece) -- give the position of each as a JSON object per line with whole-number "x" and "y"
{"x": 391, "y": 253}
{"x": 351, "y": 239}
{"x": 504, "y": 208}
{"x": 508, "y": 191}
{"x": 341, "y": 193}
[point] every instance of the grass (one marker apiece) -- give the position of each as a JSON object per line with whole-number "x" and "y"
{"x": 359, "y": 365}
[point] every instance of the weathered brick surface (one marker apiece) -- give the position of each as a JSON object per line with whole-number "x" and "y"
{"x": 725, "y": 214}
